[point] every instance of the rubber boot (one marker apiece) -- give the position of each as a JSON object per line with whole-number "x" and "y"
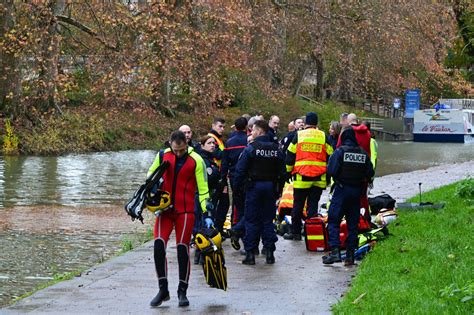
{"x": 182, "y": 299}
{"x": 332, "y": 257}
{"x": 163, "y": 294}
{"x": 270, "y": 258}
{"x": 249, "y": 258}
{"x": 349, "y": 261}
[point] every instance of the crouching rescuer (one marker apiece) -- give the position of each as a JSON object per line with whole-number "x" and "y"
{"x": 260, "y": 171}
{"x": 185, "y": 174}
{"x": 351, "y": 169}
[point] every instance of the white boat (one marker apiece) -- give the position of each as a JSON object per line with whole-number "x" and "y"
{"x": 450, "y": 121}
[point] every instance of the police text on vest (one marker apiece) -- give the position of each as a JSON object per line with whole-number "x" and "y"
{"x": 354, "y": 157}
{"x": 266, "y": 153}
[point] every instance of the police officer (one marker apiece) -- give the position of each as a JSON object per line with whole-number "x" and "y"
{"x": 273, "y": 124}
{"x": 306, "y": 160}
{"x": 351, "y": 168}
{"x": 260, "y": 169}
{"x": 233, "y": 149}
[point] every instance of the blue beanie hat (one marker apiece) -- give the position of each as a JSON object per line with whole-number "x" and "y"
{"x": 311, "y": 119}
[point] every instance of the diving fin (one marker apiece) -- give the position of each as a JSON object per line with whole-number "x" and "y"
{"x": 214, "y": 269}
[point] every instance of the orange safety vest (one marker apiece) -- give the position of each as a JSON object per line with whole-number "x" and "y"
{"x": 220, "y": 145}
{"x": 310, "y": 153}
{"x": 286, "y": 200}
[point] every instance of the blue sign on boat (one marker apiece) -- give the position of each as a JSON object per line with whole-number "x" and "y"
{"x": 412, "y": 102}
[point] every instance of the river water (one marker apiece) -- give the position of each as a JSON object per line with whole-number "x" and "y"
{"x": 62, "y": 214}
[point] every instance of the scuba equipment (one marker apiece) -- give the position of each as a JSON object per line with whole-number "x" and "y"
{"x": 136, "y": 204}
{"x": 158, "y": 202}
{"x": 209, "y": 241}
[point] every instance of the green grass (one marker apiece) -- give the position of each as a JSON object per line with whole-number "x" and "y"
{"x": 426, "y": 266}
{"x": 135, "y": 240}
{"x": 59, "y": 277}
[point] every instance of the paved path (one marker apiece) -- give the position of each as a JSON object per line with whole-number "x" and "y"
{"x": 297, "y": 284}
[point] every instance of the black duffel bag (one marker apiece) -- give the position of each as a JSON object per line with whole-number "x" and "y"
{"x": 381, "y": 202}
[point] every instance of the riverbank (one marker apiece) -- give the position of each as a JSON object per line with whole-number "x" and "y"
{"x": 126, "y": 284}
{"x": 90, "y": 129}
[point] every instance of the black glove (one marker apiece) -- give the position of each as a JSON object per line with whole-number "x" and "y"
{"x": 288, "y": 177}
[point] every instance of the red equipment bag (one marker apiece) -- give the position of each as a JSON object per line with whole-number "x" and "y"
{"x": 364, "y": 224}
{"x": 316, "y": 234}
{"x": 343, "y": 232}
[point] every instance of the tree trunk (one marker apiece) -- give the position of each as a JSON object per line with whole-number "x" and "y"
{"x": 345, "y": 92}
{"x": 10, "y": 80}
{"x": 50, "y": 57}
{"x": 319, "y": 88}
{"x": 300, "y": 74}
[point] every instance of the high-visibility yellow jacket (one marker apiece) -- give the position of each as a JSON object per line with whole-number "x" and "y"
{"x": 374, "y": 147}
{"x": 307, "y": 158}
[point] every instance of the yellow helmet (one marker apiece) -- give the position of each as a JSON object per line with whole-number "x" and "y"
{"x": 208, "y": 240}
{"x": 158, "y": 200}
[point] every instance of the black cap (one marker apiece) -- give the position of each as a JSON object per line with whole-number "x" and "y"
{"x": 311, "y": 119}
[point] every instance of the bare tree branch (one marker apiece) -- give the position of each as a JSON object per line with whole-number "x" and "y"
{"x": 85, "y": 29}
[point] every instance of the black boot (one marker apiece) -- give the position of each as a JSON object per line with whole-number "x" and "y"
{"x": 349, "y": 261}
{"x": 255, "y": 251}
{"x": 293, "y": 237}
{"x": 183, "y": 300}
{"x": 249, "y": 258}
{"x": 332, "y": 257}
{"x": 197, "y": 256}
{"x": 234, "y": 240}
{"x": 163, "y": 294}
{"x": 270, "y": 259}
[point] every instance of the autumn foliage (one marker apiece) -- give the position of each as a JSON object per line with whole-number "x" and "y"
{"x": 165, "y": 53}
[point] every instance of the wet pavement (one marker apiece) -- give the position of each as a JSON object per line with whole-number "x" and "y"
{"x": 297, "y": 284}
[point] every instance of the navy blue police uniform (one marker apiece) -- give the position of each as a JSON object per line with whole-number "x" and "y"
{"x": 350, "y": 167}
{"x": 233, "y": 149}
{"x": 272, "y": 135}
{"x": 260, "y": 170}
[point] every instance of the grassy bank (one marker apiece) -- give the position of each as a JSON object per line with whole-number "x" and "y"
{"x": 425, "y": 267}
{"x": 86, "y": 129}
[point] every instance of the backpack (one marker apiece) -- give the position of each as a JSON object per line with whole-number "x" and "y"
{"x": 384, "y": 201}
